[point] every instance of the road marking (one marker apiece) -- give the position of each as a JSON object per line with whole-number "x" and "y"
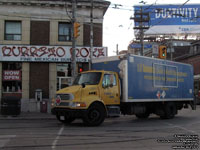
{"x": 57, "y": 138}
{"x": 4, "y": 139}
{"x": 175, "y": 126}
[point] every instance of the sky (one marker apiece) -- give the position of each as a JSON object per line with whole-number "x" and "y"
{"x": 118, "y": 28}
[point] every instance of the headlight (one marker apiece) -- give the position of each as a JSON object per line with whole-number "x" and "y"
{"x": 52, "y": 104}
{"x": 78, "y": 104}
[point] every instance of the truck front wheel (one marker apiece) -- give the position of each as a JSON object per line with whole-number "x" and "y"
{"x": 95, "y": 115}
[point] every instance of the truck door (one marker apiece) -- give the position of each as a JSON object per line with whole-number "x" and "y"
{"x": 110, "y": 90}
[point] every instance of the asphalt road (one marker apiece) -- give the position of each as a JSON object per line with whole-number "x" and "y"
{"x": 123, "y": 133}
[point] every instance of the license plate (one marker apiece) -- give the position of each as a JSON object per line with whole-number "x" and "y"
{"x": 62, "y": 118}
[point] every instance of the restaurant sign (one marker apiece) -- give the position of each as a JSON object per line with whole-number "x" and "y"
{"x": 11, "y": 75}
{"x": 31, "y": 53}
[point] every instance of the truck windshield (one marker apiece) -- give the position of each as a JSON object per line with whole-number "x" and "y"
{"x": 90, "y": 78}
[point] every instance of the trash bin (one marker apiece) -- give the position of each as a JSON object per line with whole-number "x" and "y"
{"x": 43, "y": 106}
{"x": 10, "y": 105}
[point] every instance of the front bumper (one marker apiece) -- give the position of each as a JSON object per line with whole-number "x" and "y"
{"x": 75, "y": 113}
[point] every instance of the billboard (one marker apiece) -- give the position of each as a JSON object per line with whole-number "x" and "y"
{"x": 171, "y": 19}
{"x": 34, "y": 53}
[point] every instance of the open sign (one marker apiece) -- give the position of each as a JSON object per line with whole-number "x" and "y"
{"x": 11, "y": 75}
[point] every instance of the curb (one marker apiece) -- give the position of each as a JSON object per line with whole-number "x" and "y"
{"x": 28, "y": 116}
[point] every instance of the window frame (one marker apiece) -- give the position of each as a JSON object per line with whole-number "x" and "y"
{"x": 14, "y": 34}
{"x": 105, "y": 80}
{"x": 65, "y": 37}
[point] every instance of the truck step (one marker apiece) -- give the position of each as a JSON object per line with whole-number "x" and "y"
{"x": 113, "y": 111}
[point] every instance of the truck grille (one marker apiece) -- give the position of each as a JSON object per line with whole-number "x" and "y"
{"x": 64, "y": 104}
{"x": 65, "y": 96}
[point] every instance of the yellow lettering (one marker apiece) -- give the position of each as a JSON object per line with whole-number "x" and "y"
{"x": 182, "y": 74}
{"x": 147, "y": 69}
{"x": 148, "y": 77}
{"x": 180, "y": 80}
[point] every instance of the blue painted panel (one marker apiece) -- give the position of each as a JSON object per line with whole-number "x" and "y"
{"x": 107, "y": 66}
{"x": 142, "y": 84}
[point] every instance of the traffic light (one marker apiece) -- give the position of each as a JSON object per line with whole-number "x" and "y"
{"x": 80, "y": 69}
{"x": 76, "y": 29}
{"x": 162, "y": 52}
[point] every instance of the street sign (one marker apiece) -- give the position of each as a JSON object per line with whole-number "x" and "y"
{"x": 136, "y": 45}
{"x": 155, "y": 49}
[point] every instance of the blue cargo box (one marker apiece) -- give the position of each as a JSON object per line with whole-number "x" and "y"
{"x": 146, "y": 79}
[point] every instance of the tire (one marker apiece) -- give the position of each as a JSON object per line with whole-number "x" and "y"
{"x": 142, "y": 116}
{"x": 95, "y": 115}
{"x": 67, "y": 120}
{"x": 170, "y": 111}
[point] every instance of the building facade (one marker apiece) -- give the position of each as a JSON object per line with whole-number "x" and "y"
{"x": 193, "y": 57}
{"x": 36, "y": 46}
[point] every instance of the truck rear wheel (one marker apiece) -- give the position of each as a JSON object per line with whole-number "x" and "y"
{"x": 66, "y": 120}
{"x": 95, "y": 115}
{"x": 143, "y": 115}
{"x": 169, "y": 111}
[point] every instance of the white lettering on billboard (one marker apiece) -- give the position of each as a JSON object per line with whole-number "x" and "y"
{"x": 176, "y": 13}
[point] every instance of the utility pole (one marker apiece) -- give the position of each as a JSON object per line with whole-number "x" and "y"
{"x": 141, "y": 33}
{"x": 141, "y": 21}
{"x": 171, "y": 47}
{"x": 117, "y": 49}
{"x": 74, "y": 71}
{"x": 91, "y": 33}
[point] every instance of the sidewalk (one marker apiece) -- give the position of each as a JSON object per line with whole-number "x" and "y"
{"x": 29, "y": 115}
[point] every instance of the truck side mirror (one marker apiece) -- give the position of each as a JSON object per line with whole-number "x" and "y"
{"x": 111, "y": 85}
{"x": 83, "y": 85}
{"x": 104, "y": 86}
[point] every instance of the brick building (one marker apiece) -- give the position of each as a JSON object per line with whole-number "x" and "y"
{"x": 35, "y": 46}
{"x": 193, "y": 57}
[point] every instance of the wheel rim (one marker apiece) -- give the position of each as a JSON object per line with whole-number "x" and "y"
{"x": 94, "y": 115}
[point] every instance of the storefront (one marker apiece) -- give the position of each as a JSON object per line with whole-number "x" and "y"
{"x": 12, "y": 79}
{"x": 35, "y": 73}
{"x": 35, "y": 47}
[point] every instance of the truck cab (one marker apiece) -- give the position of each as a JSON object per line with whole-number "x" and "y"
{"x": 93, "y": 96}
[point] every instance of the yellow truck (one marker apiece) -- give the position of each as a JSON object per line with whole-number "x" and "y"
{"x": 87, "y": 98}
{"x": 130, "y": 85}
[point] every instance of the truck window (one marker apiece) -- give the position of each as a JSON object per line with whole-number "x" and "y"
{"x": 90, "y": 78}
{"x": 109, "y": 80}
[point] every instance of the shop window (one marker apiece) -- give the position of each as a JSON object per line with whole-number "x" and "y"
{"x": 12, "y": 77}
{"x": 13, "y": 30}
{"x": 64, "y": 31}
{"x": 64, "y": 75}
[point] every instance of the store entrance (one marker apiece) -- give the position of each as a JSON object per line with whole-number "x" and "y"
{"x": 64, "y": 76}
{"x": 12, "y": 79}
{"x": 63, "y": 82}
